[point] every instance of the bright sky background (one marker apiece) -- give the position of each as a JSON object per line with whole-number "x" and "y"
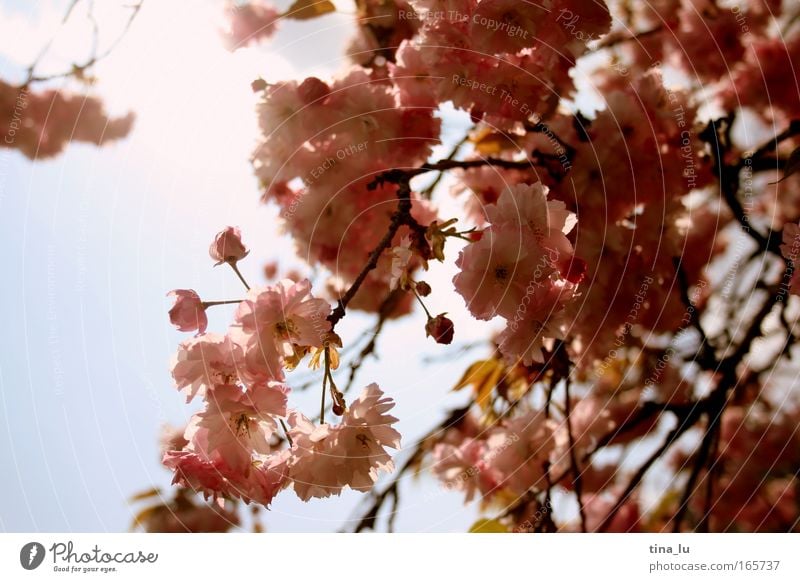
{"x": 94, "y": 239}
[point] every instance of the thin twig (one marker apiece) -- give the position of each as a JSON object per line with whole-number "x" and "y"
{"x": 576, "y": 471}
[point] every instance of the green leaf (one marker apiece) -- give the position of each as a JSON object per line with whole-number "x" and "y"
{"x": 488, "y": 526}
{"x": 307, "y": 9}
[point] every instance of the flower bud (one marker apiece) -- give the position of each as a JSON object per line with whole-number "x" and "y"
{"x": 312, "y": 90}
{"x": 573, "y": 269}
{"x": 228, "y": 247}
{"x": 423, "y": 289}
{"x": 440, "y": 328}
{"x": 188, "y": 313}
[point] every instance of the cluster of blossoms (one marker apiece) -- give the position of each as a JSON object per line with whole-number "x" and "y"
{"x": 594, "y": 234}
{"x": 249, "y": 23}
{"x": 323, "y": 146}
{"x": 500, "y": 60}
{"x": 232, "y": 448}
{"x": 759, "y": 456}
{"x": 523, "y": 268}
{"x": 507, "y": 459}
{"x": 639, "y": 222}
{"x": 41, "y": 124}
{"x": 731, "y": 48}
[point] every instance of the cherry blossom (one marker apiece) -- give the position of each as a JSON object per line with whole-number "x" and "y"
{"x": 189, "y": 312}
{"x": 278, "y": 322}
{"x": 613, "y": 226}
{"x": 326, "y": 458}
{"x": 40, "y": 124}
{"x": 204, "y": 362}
{"x": 249, "y": 22}
{"x": 464, "y": 468}
{"x": 228, "y": 247}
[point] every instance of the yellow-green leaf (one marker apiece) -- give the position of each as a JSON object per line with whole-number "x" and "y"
{"x": 476, "y": 374}
{"x": 488, "y": 526}
{"x": 307, "y": 9}
{"x": 488, "y": 142}
{"x": 155, "y": 491}
{"x": 483, "y": 376}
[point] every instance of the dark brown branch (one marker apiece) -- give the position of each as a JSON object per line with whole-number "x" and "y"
{"x": 444, "y": 165}
{"x": 613, "y": 40}
{"x": 576, "y": 470}
{"x": 46, "y": 48}
{"x": 718, "y": 135}
{"x": 705, "y": 521}
{"x": 634, "y": 482}
{"x": 706, "y": 357}
{"x": 400, "y": 217}
{"x": 428, "y": 192}
{"x": 699, "y": 464}
{"x": 377, "y": 498}
{"x": 772, "y": 145}
{"x": 79, "y": 70}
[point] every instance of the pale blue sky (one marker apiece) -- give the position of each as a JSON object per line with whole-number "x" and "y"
{"x": 95, "y": 238}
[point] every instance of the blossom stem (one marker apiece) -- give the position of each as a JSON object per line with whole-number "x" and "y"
{"x": 239, "y": 274}
{"x": 402, "y": 216}
{"x": 336, "y": 394}
{"x": 214, "y": 303}
{"x": 324, "y": 388}
{"x": 286, "y": 432}
{"x": 428, "y": 313}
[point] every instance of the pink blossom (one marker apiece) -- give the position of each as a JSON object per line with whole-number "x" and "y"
{"x": 249, "y": 23}
{"x": 204, "y": 362}
{"x": 326, "y": 458}
{"x": 401, "y": 259}
{"x": 483, "y": 186}
{"x": 199, "y": 474}
{"x": 790, "y": 247}
{"x": 760, "y": 80}
{"x": 41, "y": 124}
{"x": 188, "y": 313}
{"x": 313, "y": 471}
{"x": 511, "y": 270}
{"x": 496, "y": 270}
{"x": 540, "y": 319}
{"x": 519, "y": 451}
{"x": 707, "y": 43}
{"x": 228, "y": 247}
{"x": 237, "y": 423}
{"x": 524, "y": 206}
{"x": 412, "y": 77}
{"x": 508, "y": 26}
{"x": 214, "y": 478}
{"x": 171, "y": 438}
{"x": 280, "y": 321}
{"x": 229, "y": 452}
{"x": 312, "y": 90}
{"x": 464, "y": 467}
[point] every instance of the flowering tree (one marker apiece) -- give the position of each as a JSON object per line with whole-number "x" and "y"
{"x": 635, "y": 239}
{"x": 39, "y": 120}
